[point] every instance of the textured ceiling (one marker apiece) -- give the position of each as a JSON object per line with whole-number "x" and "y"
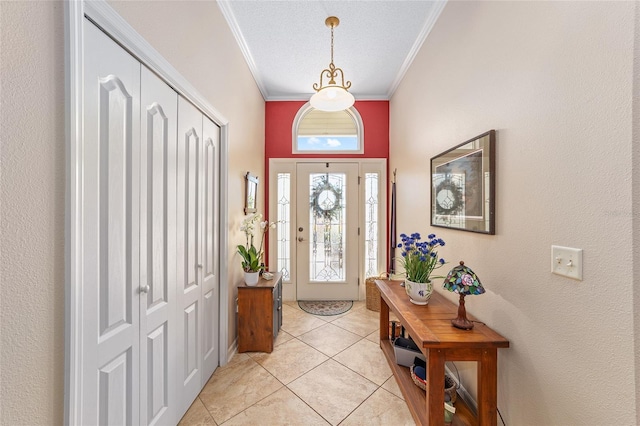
{"x": 287, "y": 44}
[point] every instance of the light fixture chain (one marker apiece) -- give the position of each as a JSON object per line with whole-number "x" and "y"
{"x": 332, "y": 44}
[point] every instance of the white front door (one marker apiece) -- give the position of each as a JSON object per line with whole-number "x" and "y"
{"x": 326, "y": 236}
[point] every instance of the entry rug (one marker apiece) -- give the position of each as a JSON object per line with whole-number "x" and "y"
{"x": 326, "y": 307}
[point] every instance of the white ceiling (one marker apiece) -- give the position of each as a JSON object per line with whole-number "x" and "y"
{"x": 287, "y": 44}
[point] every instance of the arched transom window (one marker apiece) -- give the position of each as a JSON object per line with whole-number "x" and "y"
{"x": 320, "y": 132}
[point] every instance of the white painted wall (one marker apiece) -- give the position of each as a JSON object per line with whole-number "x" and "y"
{"x": 555, "y": 79}
{"x": 636, "y": 203}
{"x": 32, "y": 185}
{"x": 195, "y": 38}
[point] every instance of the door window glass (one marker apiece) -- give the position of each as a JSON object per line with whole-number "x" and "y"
{"x": 327, "y": 218}
{"x": 284, "y": 225}
{"x": 371, "y": 205}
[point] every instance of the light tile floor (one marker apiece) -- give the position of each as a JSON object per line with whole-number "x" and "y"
{"x": 323, "y": 371}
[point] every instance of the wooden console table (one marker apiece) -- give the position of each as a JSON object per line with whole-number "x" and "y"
{"x": 430, "y": 327}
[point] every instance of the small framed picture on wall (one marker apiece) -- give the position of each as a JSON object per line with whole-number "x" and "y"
{"x": 250, "y": 204}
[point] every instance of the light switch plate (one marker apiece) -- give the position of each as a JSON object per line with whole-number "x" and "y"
{"x": 566, "y": 261}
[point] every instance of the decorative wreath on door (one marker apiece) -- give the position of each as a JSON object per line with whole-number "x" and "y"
{"x": 325, "y": 200}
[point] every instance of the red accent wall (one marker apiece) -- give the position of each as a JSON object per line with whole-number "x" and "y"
{"x": 279, "y": 116}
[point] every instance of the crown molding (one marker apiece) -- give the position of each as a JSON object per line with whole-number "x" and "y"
{"x": 305, "y": 98}
{"x": 426, "y": 29}
{"x": 227, "y": 12}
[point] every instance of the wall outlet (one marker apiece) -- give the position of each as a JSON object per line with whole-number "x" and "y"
{"x": 566, "y": 261}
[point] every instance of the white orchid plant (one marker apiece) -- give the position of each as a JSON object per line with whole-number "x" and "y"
{"x": 252, "y": 257}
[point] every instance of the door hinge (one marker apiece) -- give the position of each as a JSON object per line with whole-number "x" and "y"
{"x": 358, "y": 230}
{"x": 358, "y": 281}
{"x": 359, "y": 177}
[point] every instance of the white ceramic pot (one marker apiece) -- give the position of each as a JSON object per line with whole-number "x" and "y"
{"x": 251, "y": 278}
{"x": 419, "y": 293}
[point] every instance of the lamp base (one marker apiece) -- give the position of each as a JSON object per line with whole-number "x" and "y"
{"x": 461, "y": 320}
{"x": 462, "y": 323}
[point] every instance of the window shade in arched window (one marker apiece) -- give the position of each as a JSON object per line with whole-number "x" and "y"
{"x": 317, "y": 131}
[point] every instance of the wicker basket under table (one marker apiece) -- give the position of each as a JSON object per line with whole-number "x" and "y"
{"x": 373, "y": 294}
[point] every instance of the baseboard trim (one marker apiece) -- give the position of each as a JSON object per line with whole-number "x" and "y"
{"x": 462, "y": 392}
{"x": 232, "y": 350}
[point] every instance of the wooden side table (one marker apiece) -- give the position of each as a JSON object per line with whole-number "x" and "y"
{"x": 431, "y": 329}
{"x": 259, "y": 314}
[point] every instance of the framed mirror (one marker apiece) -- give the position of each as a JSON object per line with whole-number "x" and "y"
{"x": 463, "y": 186}
{"x": 251, "y": 193}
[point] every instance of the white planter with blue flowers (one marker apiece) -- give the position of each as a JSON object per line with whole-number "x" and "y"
{"x": 419, "y": 260}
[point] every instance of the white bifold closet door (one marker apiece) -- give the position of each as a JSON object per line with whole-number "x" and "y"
{"x": 150, "y": 243}
{"x": 188, "y": 253}
{"x": 110, "y": 204}
{"x": 210, "y": 248}
{"x": 159, "y": 330}
{"x": 197, "y": 214}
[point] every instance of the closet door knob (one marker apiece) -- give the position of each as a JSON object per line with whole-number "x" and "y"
{"x": 145, "y": 289}
{"x": 199, "y": 265}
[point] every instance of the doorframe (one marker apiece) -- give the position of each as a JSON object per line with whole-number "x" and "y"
{"x": 105, "y": 17}
{"x": 365, "y": 165}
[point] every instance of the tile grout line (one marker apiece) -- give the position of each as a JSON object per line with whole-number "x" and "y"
{"x": 344, "y": 315}
{"x": 261, "y": 399}
{"x": 305, "y": 402}
{"x": 306, "y": 372}
{"x": 333, "y": 356}
{"x": 287, "y": 385}
{"x": 335, "y": 360}
{"x": 378, "y": 387}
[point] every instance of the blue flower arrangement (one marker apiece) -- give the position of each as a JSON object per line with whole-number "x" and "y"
{"x": 420, "y": 258}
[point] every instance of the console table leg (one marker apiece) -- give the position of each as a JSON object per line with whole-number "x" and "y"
{"x": 488, "y": 387}
{"x": 435, "y": 386}
{"x": 384, "y": 320}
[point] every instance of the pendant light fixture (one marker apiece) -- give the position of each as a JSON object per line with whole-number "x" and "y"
{"x": 332, "y": 96}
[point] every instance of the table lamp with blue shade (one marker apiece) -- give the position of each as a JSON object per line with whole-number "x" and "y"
{"x": 464, "y": 281}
